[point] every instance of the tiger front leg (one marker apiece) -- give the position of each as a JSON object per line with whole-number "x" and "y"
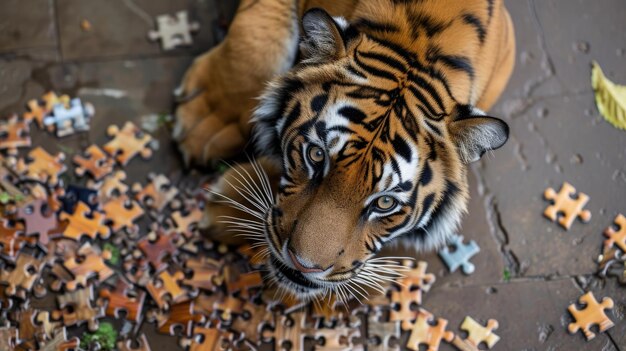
{"x": 219, "y": 91}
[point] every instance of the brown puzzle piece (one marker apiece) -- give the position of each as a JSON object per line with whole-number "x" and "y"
{"x": 617, "y": 238}
{"x": 91, "y": 265}
{"x": 241, "y": 282}
{"x": 180, "y": 315}
{"x": 24, "y": 276}
{"x": 157, "y": 194}
{"x": 11, "y": 239}
{"x": 8, "y": 338}
{"x": 381, "y": 334}
{"x": 337, "y": 339}
{"x": 14, "y": 134}
{"x": 122, "y": 213}
{"x": 81, "y": 310}
{"x": 565, "y": 206}
{"x": 40, "y": 220}
{"x": 424, "y": 333}
{"x": 127, "y": 143}
{"x": 84, "y": 222}
{"x": 41, "y": 166}
{"x": 249, "y": 323}
{"x": 591, "y": 314}
{"x": 204, "y": 271}
{"x": 96, "y": 163}
{"x": 476, "y": 334}
{"x": 127, "y": 344}
{"x": 157, "y": 246}
{"x": 123, "y": 298}
{"x": 287, "y": 328}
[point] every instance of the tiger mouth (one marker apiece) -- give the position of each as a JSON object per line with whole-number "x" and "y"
{"x": 291, "y": 277}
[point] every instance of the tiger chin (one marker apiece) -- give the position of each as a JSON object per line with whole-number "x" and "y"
{"x": 364, "y": 116}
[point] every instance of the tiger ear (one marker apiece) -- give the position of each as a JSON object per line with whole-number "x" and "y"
{"x": 323, "y": 37}
{"x": 474, "y": 133}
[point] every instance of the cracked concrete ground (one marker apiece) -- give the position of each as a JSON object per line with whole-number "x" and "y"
{"x": 557, "y": 135}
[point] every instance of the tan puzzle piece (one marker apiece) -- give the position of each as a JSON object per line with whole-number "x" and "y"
{"x": 564, "y": 205}
{"x": 337, "y": 339}
{"x": 91, "y": 265}
{"x": 411, "y": 286}
{"x": 476, "y": 334}
{"x": 122, "y": 212}
{"x": 592, "y": 313}
{"x": 127, "y": 345}
{"x": 287, "y": 328}
{"x": 617, "y": 238}
{"x": 127, "y": 143}
{"x": 79, "y": 224}
{"x": 23, "y": 277}
{"x": 43, "y": 167}
{"x": 157, "y": 194}
{"x": 383, "y": 332}
{"x": 14, "y": 134}
{"x": 109, "y": 186}
{"x": 60, "y": 342}
{"x": 96, "y": 163}
{"x": 81, "y": 311}
{"x": 423, "y": 333}
{"x": 39, "y": 109}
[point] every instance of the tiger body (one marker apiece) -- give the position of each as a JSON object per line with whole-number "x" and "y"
{"x": 372, "y": 113}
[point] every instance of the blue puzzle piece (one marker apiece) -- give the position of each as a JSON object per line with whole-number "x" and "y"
{"x": 460, "y": 256}
{"x": 70, "y": 120}
{"x": 75, "y": 194}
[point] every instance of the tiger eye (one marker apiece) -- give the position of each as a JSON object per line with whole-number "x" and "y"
{"x": 316, "y": 154}
{"x": 385, "y": 202}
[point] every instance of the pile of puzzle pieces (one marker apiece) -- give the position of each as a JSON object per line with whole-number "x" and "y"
{"x": 566, "y": 206}
{"x": 105, "y": 249}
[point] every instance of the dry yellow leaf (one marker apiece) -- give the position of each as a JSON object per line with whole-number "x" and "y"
{"x": 610, "y": 97}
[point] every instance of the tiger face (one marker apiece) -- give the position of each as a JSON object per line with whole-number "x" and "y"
{"x": 373, "y": 150}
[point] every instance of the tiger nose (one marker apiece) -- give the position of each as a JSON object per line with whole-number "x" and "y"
{"x": 302, "y": 268}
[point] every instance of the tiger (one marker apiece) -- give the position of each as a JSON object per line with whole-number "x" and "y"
{"x": 363, "y": 116}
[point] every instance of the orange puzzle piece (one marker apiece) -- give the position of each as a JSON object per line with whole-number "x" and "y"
{"x": 127, "y": 143}
{"x": 566, "y": 206}
{"x": 411, "y": 286}
{"x": 592, "y": 313}
{"x": 14, "y": 134}
{"x": 42, "y": 166}
{"x": 97, "y": 163}
{"x": 85, "y": 222}
{"x": 616, "y": 237}
{"x": 424, "y": 333}
{"x": 476, "y": 334}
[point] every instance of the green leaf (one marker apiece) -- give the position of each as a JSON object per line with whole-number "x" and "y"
{"x": 115, "y": 253}
{"x": 506, "y": 275}
{"x": 105, "y": 336}
{"x": 5, "y": 198}
{"x": 610, "y": 98}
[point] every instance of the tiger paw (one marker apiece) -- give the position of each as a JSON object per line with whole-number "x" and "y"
{"x": 212, "y": 118}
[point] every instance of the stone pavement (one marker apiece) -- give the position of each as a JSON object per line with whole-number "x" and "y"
{"x": 529, "y": 270}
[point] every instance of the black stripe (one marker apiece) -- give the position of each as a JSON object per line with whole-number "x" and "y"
{"x": 419, "y": 96}
{"x": 352, "y": 114}
{"x": 427, "y": 174}
{"x": 458, "y": 63}
{"x": 424, "y": 84}
{"x": 386, "y": 59}
{"x": 426, "y": 204}
{"x": 402, "y": 148}
{"x": 318, "y": 103}
{"x": 374, "y": 71}
{"x": 478, "y": 25}
{"x": 368, "y": 25}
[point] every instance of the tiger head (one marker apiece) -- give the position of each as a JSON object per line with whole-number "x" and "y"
{"x": 374, "y": 150}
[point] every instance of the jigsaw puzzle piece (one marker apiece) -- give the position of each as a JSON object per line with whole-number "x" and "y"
{"x": 617, "y": 238}
{"x": 14, "y": 134}
{"x": 126, "y": 345}
{"x": 77, "y": 309}
{"x": 123, "y": 298}
{"x": 41, "y": 166}
{"x": 461, "y": 255}
{"x": 72, "y": 119}
{"x": 174, "y": 31}
{"x": 121, "y": 213}
{"x": 567, "y": 206}
{"x": 127, "y": 143}
{"x": 425, "y": 333}
{"x": 96, "y": 163}
{"x": 591, "y": 314}
{"x": 382, "y": 336}
{"x": 476, "y": 334}
{"x": 157, "y": 194}
{"x": 84, "y": 222}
